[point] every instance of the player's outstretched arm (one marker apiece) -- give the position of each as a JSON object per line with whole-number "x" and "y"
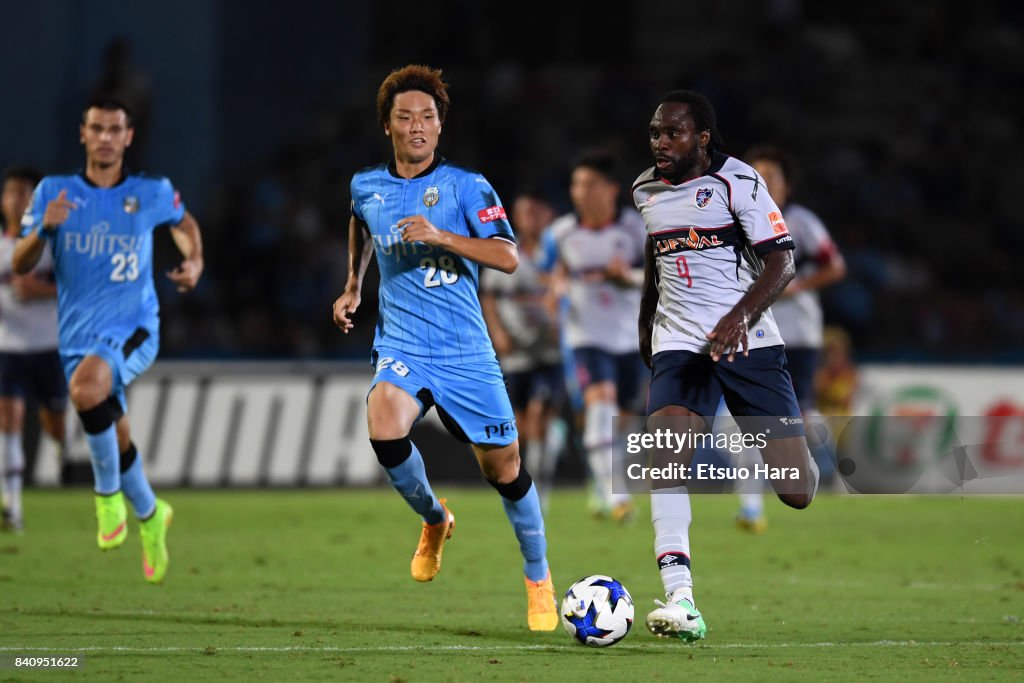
{"x": 189, "y": 241}
{"x": 360, "y": 250}
{"x": 648, "y": 303}
{"x": 730, "y": 334}
{"x": 29, "y": 249}
{"x": 494, "y": 253}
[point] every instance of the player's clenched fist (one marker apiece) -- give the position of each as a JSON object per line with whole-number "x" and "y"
{"x": 186, "y": 275}
{"x": 344, "y": 307}
{"x": 58, "y": 210}
{"x": 419, "y": 229}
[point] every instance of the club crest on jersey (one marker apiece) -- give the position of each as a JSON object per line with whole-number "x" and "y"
{"x": 704, "y": 195}
{"x": 131, "y": 204}
{"x": 431, "y": 196}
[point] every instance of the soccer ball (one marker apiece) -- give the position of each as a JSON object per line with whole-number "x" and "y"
{"x": 597, "y": 611}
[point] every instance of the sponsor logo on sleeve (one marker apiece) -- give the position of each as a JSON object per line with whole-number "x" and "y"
{"x": 778, "y": 225}
{"x": 177, "y": 199}
{"x": 491, "y": 214}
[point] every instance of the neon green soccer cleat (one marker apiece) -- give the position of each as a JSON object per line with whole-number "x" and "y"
{"x": 154, "y": 542}
{"x": 113, "y": 521}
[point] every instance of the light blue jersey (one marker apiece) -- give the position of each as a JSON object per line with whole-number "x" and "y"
{"x": 429, "y": 307}
{"x": 103, "y": 258}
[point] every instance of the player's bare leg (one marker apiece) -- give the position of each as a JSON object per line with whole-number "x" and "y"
{"x": 792, "y": 453}
{"x": 671, "y": 517}
{"x": 117, "y": 469}
{"x": 390, "y": 414}
{"x": 502, "y": 468}
{"x": 89, "y": 389}
{"x": 12, "y": 418}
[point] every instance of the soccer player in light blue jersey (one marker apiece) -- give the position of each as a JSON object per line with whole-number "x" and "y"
{"x": 99, "y": 225}
{"x": 432, "y": 224}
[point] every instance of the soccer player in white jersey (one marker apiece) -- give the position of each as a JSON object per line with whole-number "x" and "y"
{"x": 29, "y": 364}
{"x": 798, "y": 311}
{"x": 717, "y": 256}
{"x": 600, "y": 256}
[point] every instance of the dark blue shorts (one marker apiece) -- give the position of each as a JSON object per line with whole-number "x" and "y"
{"x": 756, "y": 387}
{"x": 545, "y": 383}
{"x": 624, "y": 369}
{"x": 801, "y": 364}
{"x": 38, "y": 375}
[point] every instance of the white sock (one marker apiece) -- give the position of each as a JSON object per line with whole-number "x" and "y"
{"x": 14, "y": 465}
{"x": 670, "y": 513}
{"x": 598, "y": 435}
{"x": 815, "y": 475}
{"x": 751, "y": 489}
{"x": 534, "y": 456}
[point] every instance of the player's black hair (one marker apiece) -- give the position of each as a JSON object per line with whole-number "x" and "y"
{"x": 412, "y": 77}
{"x": 600, "y": 160}
{"x": 27, "y": 173}
{"x": 533, "y": 191}
{"x": 702, "y": 112}
{"x": 108, "y": 103}
{"x": 777, "y": 155}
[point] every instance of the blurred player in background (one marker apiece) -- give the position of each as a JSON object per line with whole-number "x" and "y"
{"x": 30, "y": 367}
{"x": 836, "y": 381}
{"x": 600, "y": 256}
{"x": 798, "y": 311}
{"x": 432, "y": 224}
{"x": 526, "y": 336}
{"x": 99, "y": 226}
{"x": 718, "y": 255}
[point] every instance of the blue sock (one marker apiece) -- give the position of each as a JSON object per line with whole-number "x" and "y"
{"x": 410, "y": 480}
{"x": 528, "y": 523}
{"x": 106, "y": 461}
{"x": 137, "y": 489}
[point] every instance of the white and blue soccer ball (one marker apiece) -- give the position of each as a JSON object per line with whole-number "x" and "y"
{"x": 597, "y": 611}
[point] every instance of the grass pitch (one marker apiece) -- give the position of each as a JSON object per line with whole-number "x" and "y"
{"x": 314, "y": 585}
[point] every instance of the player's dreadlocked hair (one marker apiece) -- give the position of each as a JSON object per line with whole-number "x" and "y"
{"x": 702, "y": 112}
{"x": 776, "y": 155}
{"x": 412, "y": 77}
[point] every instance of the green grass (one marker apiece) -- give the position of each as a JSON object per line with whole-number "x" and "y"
{"x": 314, "y": 585}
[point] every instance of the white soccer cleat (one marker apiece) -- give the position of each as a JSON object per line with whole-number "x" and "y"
{"x": 679, "y": 619}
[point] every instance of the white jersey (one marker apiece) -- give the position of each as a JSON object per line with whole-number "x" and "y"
{"x": 25, "y": 326}
{"x": 709, "y": 235}
{"x": 522, "y": 311}
{"x": 799, "y": 317}
{"x": 602, "y": 314}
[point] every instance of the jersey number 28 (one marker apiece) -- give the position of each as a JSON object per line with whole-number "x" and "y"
{"x": 126, "y": 268}
{"x": 443, "y": 271}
